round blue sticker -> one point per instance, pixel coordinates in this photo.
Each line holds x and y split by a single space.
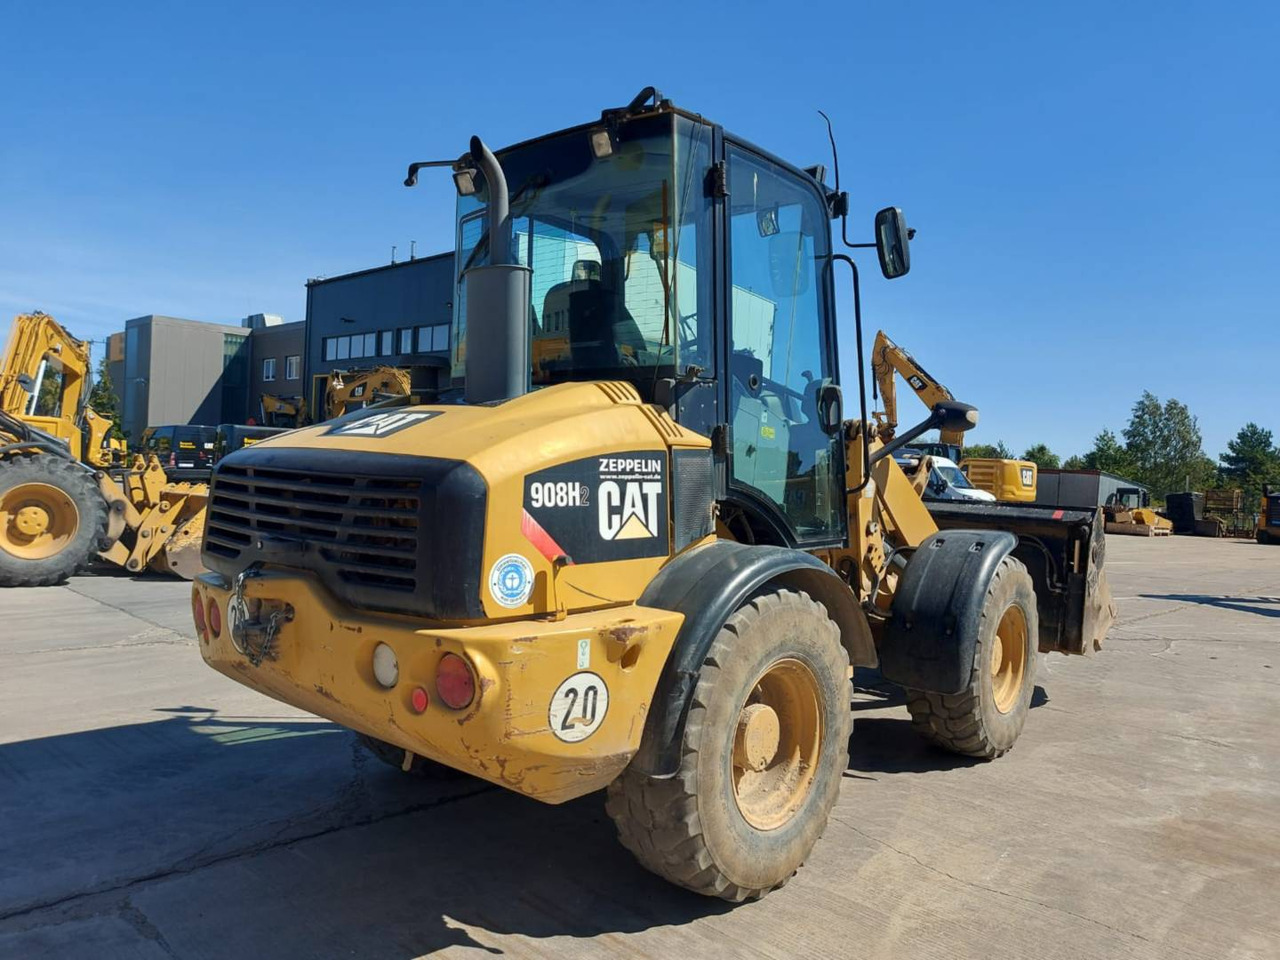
511 580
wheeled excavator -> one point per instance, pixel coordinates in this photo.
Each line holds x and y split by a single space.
649 564
337 393
1007 479
66 493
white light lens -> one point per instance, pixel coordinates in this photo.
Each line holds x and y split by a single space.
385 667
601 145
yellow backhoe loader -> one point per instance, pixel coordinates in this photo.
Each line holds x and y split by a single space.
65 493
1008 480
651 563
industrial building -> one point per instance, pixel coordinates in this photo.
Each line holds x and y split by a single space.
275 351
395 315
175 370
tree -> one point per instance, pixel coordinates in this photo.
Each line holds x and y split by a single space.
985 451
1251 460
1074 462
1163 446
104 401
1042 457
1108 454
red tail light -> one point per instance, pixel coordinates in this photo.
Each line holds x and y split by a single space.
215 618
197 613
455 683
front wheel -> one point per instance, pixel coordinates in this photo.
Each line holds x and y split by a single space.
985 718
52 519
763 749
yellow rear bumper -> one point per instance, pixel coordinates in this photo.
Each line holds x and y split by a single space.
322 661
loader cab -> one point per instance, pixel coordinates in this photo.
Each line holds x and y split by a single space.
669 254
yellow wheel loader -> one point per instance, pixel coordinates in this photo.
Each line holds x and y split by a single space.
65 494
650 562
337 393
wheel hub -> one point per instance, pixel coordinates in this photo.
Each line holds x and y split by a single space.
758 737
777 744
31 521
1009 659
37 520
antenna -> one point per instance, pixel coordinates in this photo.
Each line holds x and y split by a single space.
835 157
393 253
413 247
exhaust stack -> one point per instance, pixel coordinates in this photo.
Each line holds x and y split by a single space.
497 363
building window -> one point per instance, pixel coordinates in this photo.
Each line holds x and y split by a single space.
406 341
292 368
434 338
344 348
331 348
388 343
269 369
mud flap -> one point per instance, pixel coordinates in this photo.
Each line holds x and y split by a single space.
932 631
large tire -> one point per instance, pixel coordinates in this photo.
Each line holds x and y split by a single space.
985 718
696 828
393 756
52 519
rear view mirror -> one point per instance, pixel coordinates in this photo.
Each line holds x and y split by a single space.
788 268
892 239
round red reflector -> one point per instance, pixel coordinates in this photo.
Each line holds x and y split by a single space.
197 612
215 618
418 700
455 682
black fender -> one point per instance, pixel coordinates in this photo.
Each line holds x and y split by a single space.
707 584
929 639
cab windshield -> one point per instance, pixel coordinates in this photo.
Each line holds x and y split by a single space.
611 231
953 476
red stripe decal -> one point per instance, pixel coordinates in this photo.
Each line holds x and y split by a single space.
542 541
1057 514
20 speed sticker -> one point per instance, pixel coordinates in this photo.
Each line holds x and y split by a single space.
578 707
511 580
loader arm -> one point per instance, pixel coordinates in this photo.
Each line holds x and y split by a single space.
887 358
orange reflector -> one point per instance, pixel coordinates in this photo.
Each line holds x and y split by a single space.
197 613
455 683
215 618
418 699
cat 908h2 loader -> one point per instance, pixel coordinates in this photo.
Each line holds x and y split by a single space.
650 562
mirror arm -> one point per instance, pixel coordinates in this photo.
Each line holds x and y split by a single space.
862 377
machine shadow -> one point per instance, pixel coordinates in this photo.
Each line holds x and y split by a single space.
233 814
887 744
1260 606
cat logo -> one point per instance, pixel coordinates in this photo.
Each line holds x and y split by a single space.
1028 476
382 424
629 509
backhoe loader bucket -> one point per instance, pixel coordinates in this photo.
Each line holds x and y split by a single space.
180 553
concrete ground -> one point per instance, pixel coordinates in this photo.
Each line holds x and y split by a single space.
152 808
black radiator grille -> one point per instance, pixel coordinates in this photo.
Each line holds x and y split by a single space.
365 528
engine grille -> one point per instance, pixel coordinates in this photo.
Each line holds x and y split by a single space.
364 528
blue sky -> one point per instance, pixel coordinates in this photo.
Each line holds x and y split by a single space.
1096 185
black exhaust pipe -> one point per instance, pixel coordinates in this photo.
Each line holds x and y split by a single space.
497 315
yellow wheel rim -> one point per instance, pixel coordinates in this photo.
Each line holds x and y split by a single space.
1009 659
37 520
776 744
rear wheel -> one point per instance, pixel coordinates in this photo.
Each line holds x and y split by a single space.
52 517
763 749
985 718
